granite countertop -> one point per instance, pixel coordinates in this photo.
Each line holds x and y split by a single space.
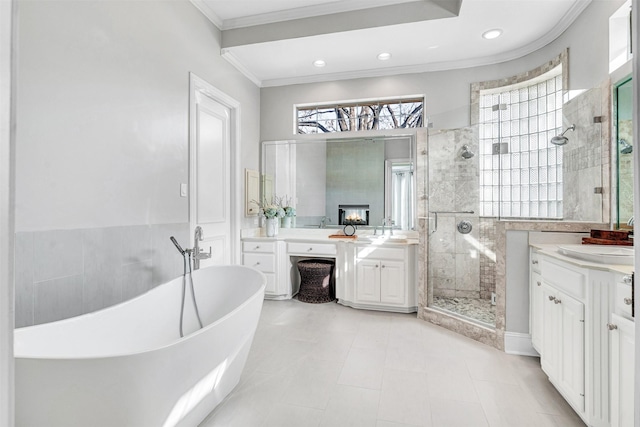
551 250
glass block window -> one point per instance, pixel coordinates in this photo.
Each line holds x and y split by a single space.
520 170
365 115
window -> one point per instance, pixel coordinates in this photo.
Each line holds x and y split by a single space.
366 115
520 170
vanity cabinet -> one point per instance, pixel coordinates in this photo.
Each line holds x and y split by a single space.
384 278
622 334
380 281
622 371
582 327
563 351
536 302
266 257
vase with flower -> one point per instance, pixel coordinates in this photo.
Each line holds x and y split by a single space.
272 212
289 212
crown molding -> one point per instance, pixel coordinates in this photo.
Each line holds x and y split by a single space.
230 57
203 7
571 15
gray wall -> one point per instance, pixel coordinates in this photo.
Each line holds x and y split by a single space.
517 278
448 92
102 146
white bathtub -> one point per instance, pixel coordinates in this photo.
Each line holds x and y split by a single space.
127 365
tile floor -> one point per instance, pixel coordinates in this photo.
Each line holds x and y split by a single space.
333 366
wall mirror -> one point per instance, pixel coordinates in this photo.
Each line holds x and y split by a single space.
623 128
332 181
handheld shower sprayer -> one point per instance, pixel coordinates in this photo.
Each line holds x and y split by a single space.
177 245
186 256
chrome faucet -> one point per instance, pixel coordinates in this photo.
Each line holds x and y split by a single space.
197 251
630 222
388 223
323 221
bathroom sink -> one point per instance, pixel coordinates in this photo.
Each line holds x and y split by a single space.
601 254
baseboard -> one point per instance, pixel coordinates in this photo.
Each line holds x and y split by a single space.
517 343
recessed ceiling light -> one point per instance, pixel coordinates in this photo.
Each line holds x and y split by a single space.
319 63
384 56
492 34
433 47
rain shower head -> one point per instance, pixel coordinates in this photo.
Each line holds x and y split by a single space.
561 139
625 147
466 152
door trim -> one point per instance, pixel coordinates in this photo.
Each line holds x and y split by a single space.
199 85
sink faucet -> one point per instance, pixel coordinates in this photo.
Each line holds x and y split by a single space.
388 223
630 222
323 221
197 251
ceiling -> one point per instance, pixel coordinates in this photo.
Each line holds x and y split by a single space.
275 42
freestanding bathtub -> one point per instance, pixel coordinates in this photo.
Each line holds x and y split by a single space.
127 365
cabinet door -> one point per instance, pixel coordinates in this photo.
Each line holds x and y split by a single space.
368 280
392 282
550 353
536 311
622 371
571 348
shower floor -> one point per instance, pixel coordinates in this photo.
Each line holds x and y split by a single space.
479 310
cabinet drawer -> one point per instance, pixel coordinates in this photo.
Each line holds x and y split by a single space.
312 248
565 279
535 261
623 301
259 247
377 252
263 262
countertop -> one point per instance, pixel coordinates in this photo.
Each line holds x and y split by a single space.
322 236
551 250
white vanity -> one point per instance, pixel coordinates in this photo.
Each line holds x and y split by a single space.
581 324
371 272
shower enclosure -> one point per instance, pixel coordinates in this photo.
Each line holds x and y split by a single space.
505 169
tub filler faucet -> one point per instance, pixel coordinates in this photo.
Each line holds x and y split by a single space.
197 251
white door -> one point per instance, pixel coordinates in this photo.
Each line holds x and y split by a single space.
210 176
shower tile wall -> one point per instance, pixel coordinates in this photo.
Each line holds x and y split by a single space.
65 273
488 237
586 157
454 258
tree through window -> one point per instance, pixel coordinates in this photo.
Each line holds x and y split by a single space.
367 115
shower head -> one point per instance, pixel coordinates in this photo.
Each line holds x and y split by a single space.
466 152
625 147
561 139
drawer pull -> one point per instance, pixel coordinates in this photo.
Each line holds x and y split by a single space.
539 284
256 248
552 298
611 326
627 280
535 261
382 265
257 264
557 301
309 250
628 301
